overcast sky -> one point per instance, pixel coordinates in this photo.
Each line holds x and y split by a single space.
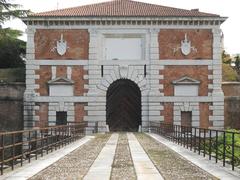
226 8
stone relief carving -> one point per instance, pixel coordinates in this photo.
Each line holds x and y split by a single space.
185 47
123 71
61 46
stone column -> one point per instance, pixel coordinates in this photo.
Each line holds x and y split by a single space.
218 96
96 108
154 78
29 94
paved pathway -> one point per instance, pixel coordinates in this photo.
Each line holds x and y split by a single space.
29 170
96 160
211 167
103 164
143 165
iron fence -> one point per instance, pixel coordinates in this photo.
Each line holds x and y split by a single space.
18 147
220 145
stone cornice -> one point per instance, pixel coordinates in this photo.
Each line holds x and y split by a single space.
71 21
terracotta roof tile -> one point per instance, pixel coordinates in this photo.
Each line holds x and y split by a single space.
118 8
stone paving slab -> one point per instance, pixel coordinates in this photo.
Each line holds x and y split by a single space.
30 169
102 166
144 167
209 166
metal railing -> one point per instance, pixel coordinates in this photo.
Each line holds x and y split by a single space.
222 145
18 147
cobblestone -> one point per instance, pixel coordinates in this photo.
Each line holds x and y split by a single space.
170 164
123 166
76 164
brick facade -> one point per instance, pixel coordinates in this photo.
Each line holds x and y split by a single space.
205 112
167 113
86 73
45 75
77 76
79 112
172 73
45 43
201 39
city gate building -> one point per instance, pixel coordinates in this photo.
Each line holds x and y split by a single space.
124 64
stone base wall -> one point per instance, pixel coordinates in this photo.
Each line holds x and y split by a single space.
11 106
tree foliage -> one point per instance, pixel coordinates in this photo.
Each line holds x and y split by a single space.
237 63
226 58
12 50
229 72
9 10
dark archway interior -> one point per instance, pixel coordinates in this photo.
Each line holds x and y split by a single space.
123 106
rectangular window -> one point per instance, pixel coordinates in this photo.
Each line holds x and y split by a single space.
186 90
61 90
61 118
123 48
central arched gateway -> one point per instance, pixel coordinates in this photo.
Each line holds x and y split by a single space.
123 106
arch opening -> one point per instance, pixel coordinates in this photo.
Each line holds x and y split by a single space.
123 106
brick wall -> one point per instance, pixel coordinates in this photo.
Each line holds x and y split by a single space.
172 73
61 71
46 41
79 111
77 76
167 113
231 88
42 113
45 74
11 106
201 39
204 115
232 112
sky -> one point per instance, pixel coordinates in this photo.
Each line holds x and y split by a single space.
225 8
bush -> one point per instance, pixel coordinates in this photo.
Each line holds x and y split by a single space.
229 74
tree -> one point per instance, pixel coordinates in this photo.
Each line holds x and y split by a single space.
226 58
9 10
12 50
237 63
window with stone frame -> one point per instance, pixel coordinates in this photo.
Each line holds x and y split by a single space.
123 47
61 86
186 86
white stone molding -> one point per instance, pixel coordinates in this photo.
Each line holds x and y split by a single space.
152 68
69 72
30 49
186 107
54 71
217 62
126 21
54 107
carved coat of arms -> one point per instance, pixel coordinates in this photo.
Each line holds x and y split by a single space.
185 47
61 46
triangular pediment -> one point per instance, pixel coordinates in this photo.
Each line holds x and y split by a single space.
61 81
186 80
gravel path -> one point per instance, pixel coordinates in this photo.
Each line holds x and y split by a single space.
170 164
122 167
76 164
